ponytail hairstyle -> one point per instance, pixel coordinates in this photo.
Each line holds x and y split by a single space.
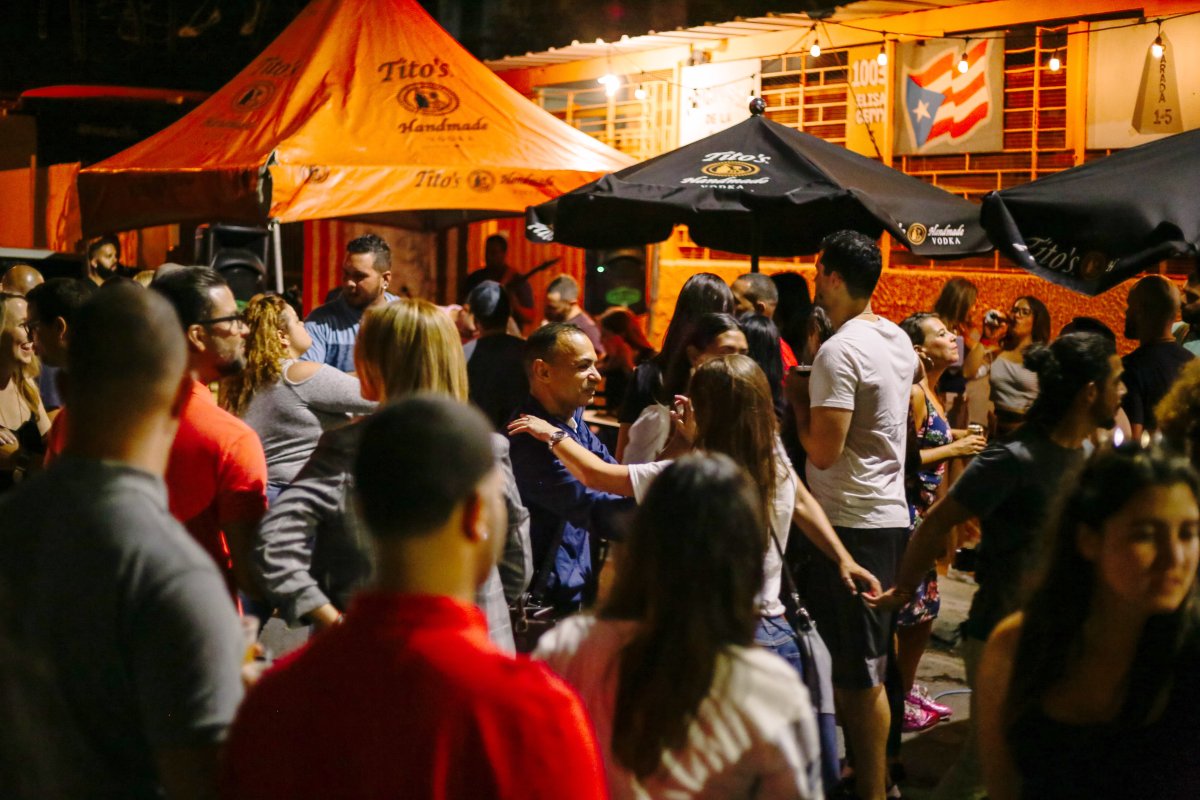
1064 368
694 569
1061 601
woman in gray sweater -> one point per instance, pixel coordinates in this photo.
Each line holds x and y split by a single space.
289 403
312 551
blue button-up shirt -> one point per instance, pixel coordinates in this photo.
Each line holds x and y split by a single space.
557 501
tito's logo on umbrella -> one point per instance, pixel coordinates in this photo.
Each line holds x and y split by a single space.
731 169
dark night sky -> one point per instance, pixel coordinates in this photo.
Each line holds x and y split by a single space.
114 46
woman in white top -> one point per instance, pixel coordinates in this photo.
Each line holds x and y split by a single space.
289 403
683 706
733 415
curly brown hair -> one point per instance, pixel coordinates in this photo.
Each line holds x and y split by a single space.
266 317
1178 413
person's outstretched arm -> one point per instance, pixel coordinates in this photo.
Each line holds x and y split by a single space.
588 468
811 519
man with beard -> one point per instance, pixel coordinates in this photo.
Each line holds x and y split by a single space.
1009 487
104 260
366 273
217 474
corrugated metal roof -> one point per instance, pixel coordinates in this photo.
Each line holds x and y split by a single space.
742 26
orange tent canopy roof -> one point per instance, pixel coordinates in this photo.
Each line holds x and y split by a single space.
360 107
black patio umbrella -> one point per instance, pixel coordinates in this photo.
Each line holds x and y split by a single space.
1090 227
760 188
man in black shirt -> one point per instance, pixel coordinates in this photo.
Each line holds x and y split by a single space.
495 268
1009 487
1150 370
495 371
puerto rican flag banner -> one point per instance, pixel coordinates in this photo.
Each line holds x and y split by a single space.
944 110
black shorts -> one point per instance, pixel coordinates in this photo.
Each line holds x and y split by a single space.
858 637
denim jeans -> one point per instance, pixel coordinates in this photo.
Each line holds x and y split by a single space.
776 634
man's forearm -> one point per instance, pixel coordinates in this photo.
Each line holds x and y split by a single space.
929 542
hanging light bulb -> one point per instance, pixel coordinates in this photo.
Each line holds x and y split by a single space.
1156 49
639 93
881 59
815 50
607 80
963 64
1055 62
610 89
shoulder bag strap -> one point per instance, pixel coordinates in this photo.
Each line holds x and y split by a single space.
802 621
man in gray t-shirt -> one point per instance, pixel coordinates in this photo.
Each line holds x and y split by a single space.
127 614
851 418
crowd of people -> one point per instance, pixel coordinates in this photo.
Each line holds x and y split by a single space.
499 605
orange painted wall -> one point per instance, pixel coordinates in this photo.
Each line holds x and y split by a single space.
903 291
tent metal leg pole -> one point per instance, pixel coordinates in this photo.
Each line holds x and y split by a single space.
755 245
277 255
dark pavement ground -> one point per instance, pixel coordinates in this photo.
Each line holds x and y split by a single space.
926 755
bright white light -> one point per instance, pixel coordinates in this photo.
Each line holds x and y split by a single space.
1156 49
963 66
881 59
1055 64
639 93
610 89
607 80
815 50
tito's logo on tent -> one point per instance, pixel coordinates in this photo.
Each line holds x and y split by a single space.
944 105
428 98
731 169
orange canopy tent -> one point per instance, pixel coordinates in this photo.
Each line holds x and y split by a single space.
359 109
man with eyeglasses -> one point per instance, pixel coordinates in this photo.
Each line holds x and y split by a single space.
217 475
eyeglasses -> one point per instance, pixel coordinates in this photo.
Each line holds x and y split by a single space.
1022 311
235 319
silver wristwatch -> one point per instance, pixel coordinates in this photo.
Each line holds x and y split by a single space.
555 438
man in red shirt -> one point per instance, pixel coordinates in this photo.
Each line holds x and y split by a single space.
217 475
408 698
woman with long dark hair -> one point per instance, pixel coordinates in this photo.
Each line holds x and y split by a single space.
683 705
1015 386
709 336
762 341
1094 689
729 411
703 293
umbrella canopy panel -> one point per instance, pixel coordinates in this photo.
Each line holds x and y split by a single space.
359 107
759 187
1093 226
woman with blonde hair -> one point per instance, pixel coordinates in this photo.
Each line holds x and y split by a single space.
312 553
23 419
289 403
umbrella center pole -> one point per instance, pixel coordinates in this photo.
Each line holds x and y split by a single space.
755 245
